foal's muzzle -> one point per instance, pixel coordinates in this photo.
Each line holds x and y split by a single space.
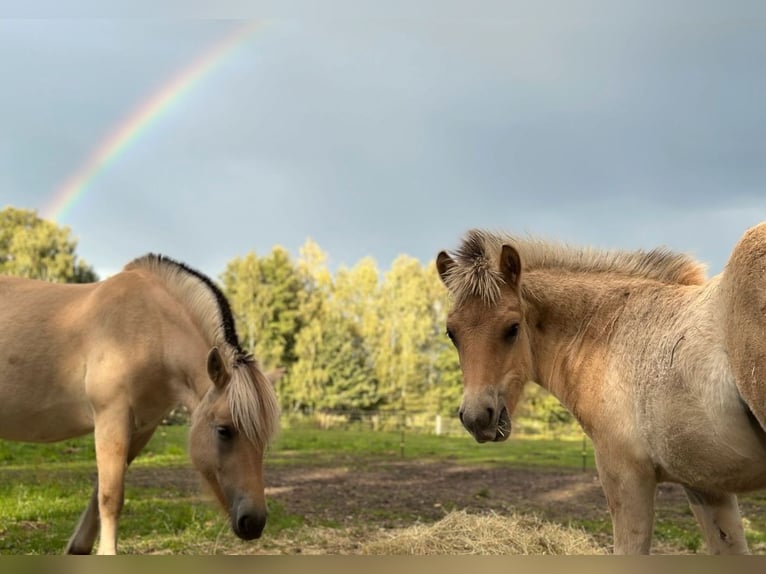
486 424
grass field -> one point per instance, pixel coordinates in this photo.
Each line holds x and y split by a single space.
43 488
331 444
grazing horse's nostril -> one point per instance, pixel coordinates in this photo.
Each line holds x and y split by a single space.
490 414
460 414
250 526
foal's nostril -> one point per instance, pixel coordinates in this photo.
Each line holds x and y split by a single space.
460 414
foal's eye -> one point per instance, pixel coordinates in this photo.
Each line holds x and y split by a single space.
511 333
224 432
451 336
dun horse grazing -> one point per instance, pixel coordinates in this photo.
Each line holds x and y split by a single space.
664 370
114 357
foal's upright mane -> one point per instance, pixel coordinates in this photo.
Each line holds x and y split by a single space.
254 406
476 270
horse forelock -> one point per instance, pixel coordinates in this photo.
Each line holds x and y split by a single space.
253 402
475 272
476 268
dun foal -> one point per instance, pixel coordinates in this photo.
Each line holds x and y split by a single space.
664 370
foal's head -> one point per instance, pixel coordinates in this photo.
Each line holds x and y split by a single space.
487 327
230 430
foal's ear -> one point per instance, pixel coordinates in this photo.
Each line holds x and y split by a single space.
216 368
443 264
510 266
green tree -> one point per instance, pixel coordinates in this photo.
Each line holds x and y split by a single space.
333 370
241 284
447 387
300 389
265 296
39 249
283 290
352 324
444 384
356 294
405 329
349 383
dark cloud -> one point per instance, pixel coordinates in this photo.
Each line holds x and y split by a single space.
387 136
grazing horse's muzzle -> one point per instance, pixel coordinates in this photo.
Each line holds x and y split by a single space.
247 523
485 422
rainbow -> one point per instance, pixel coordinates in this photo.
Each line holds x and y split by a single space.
141 120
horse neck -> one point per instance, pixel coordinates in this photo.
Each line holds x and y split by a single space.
197 383
571 318
193 325
190 352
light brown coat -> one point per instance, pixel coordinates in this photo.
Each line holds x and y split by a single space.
664 369
114 358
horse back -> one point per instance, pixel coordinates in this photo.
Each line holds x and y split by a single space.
743 286
66 348
41 369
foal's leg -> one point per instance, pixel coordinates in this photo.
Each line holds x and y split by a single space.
87 528
630 489
720 521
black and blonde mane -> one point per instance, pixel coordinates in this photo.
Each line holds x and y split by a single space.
158 261
252 400
476 270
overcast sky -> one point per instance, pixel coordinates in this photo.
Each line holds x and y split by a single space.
387 136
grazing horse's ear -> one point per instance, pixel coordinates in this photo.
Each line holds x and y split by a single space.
443 264
510 266
275 375
216 368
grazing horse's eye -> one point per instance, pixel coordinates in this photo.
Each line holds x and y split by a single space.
511 333
224 432
451 336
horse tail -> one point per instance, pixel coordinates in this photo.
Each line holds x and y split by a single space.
743 285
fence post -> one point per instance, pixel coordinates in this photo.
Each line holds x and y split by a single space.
438 425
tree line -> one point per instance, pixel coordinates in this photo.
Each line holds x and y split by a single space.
39 249
356 340
359 339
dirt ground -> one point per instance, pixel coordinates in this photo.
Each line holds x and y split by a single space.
388 495
346 505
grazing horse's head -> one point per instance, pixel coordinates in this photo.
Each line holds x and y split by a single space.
486 325
230 430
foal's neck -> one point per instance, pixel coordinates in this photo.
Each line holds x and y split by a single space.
571 317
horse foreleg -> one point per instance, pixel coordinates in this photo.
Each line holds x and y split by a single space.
721 523
630 491
112 438
87 528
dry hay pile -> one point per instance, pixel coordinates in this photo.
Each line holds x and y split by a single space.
463 533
